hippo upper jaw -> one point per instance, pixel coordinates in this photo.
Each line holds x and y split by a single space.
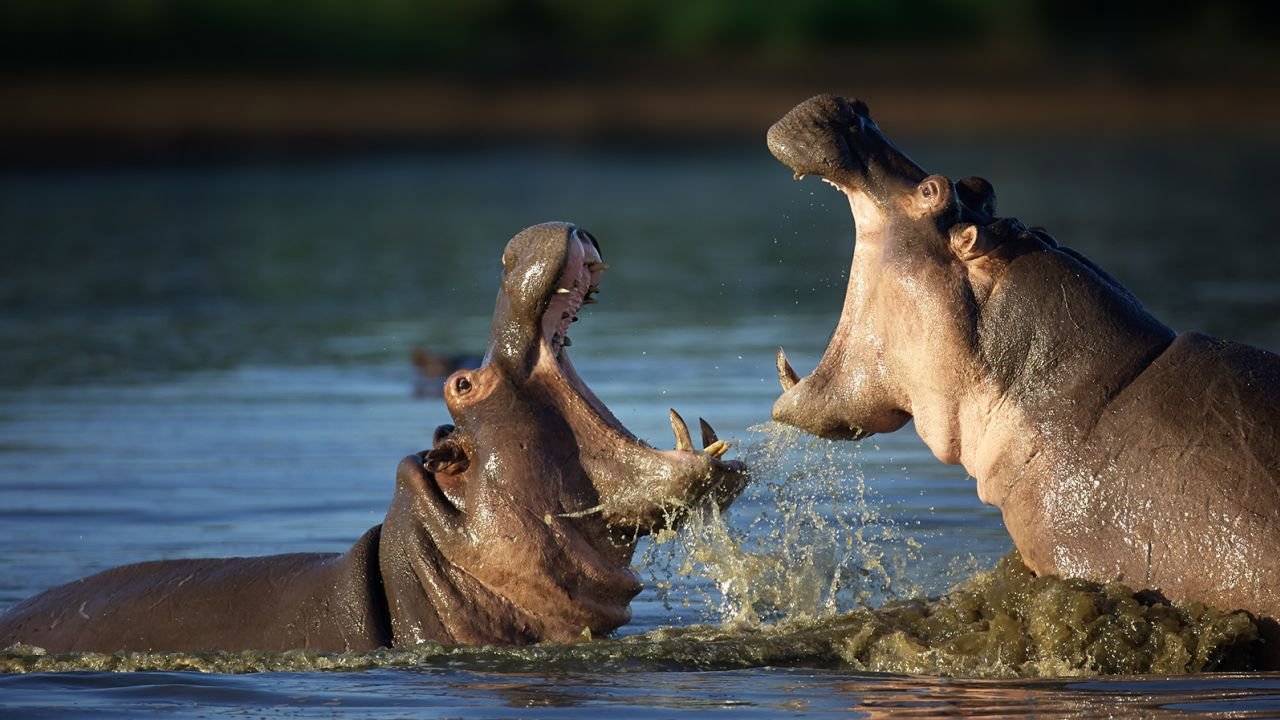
837 140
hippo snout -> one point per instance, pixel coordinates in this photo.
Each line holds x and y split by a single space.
811 138
836 402
799 408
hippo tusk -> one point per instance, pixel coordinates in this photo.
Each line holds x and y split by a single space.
683 441
786 375
711 444
597 266
708 433
717 448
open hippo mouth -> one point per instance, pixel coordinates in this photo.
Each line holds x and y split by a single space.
925 254
537 354
577 286
534 499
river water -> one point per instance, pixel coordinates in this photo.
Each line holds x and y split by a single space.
214 361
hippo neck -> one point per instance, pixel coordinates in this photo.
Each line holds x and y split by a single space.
1058 343
431 599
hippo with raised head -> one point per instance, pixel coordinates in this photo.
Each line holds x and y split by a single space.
1115 448
517 526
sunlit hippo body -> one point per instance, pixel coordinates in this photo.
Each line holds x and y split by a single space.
1115 448
517 526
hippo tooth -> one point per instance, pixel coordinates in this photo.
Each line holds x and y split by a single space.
716 449
597 266
683 441
588 300
563 291
709 436
786 375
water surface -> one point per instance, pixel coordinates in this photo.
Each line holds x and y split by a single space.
214 361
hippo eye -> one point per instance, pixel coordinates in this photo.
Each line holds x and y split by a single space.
462 386
927 190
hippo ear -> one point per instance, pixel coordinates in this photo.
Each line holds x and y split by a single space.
1044 236
978 195
934 194
447 458
969 242
442 432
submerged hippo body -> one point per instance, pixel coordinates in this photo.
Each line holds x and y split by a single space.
1115 448
517 526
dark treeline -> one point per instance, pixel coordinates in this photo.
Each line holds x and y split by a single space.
559 38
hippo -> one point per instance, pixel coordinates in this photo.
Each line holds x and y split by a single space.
517 526
1115 448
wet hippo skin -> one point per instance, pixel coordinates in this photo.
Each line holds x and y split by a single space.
1115 448
517 526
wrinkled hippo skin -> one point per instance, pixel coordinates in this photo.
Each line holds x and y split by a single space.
1115 448
517 526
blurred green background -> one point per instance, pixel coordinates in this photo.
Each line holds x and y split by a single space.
119 80
540 39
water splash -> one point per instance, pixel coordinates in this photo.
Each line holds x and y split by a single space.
808 539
